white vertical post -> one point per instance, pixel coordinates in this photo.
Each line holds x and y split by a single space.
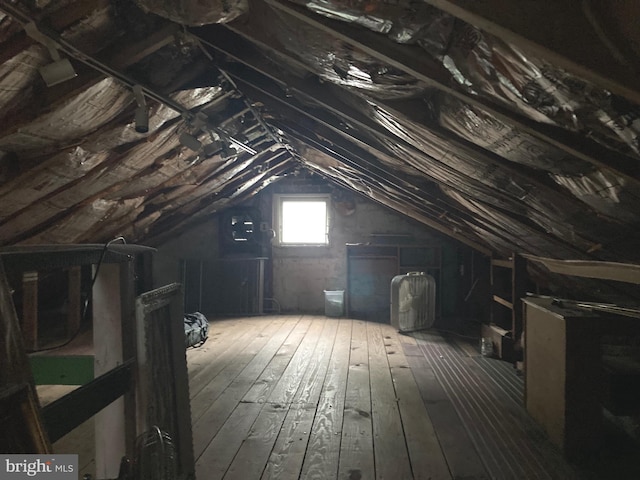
107 341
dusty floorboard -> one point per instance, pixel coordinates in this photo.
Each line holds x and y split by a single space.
310 397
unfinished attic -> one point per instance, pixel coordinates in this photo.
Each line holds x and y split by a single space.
275 239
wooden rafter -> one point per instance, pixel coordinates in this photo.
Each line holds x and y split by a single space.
568 34
120 56
235 46
412 60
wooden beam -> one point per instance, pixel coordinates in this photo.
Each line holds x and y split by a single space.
195 212
503 302
58 21
412 60
69 411
119 56
130 53
14 46
621 272
71 13
129 345
416 113
107 341
567 34
519 290
325 97
269 78
380 183
496 262
268 95
260 72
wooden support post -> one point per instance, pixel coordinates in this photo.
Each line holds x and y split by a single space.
30 309
128 309
107 340
519 288
492 307
74 315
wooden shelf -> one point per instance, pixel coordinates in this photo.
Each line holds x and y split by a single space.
511 296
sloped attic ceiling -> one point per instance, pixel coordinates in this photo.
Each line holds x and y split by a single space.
509 127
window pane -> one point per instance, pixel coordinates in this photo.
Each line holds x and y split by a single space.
304 222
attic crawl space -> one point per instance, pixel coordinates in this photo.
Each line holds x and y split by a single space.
500 130
507 129
467 139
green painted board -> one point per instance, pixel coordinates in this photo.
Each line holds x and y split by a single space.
62 370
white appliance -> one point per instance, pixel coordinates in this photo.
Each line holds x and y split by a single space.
413 301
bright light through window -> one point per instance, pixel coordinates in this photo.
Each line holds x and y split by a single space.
303 221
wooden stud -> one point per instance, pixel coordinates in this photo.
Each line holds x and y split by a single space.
519 287
129 345
74 315
503 302
30 309
107 341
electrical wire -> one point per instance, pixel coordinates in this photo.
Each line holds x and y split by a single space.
85 308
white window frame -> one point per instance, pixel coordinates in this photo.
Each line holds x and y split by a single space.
311 197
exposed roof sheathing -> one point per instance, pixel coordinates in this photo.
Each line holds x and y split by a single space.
507 135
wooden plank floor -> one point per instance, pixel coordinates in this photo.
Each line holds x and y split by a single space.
310 397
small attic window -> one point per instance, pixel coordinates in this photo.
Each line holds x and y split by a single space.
302 219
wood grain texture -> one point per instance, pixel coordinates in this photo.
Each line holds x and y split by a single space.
323 451
288 384
324 398
224 338
391 456
462 458
451 415
215 416
356 458
313 380
272 373
252 456
427 459
216 459
290 448
229 365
